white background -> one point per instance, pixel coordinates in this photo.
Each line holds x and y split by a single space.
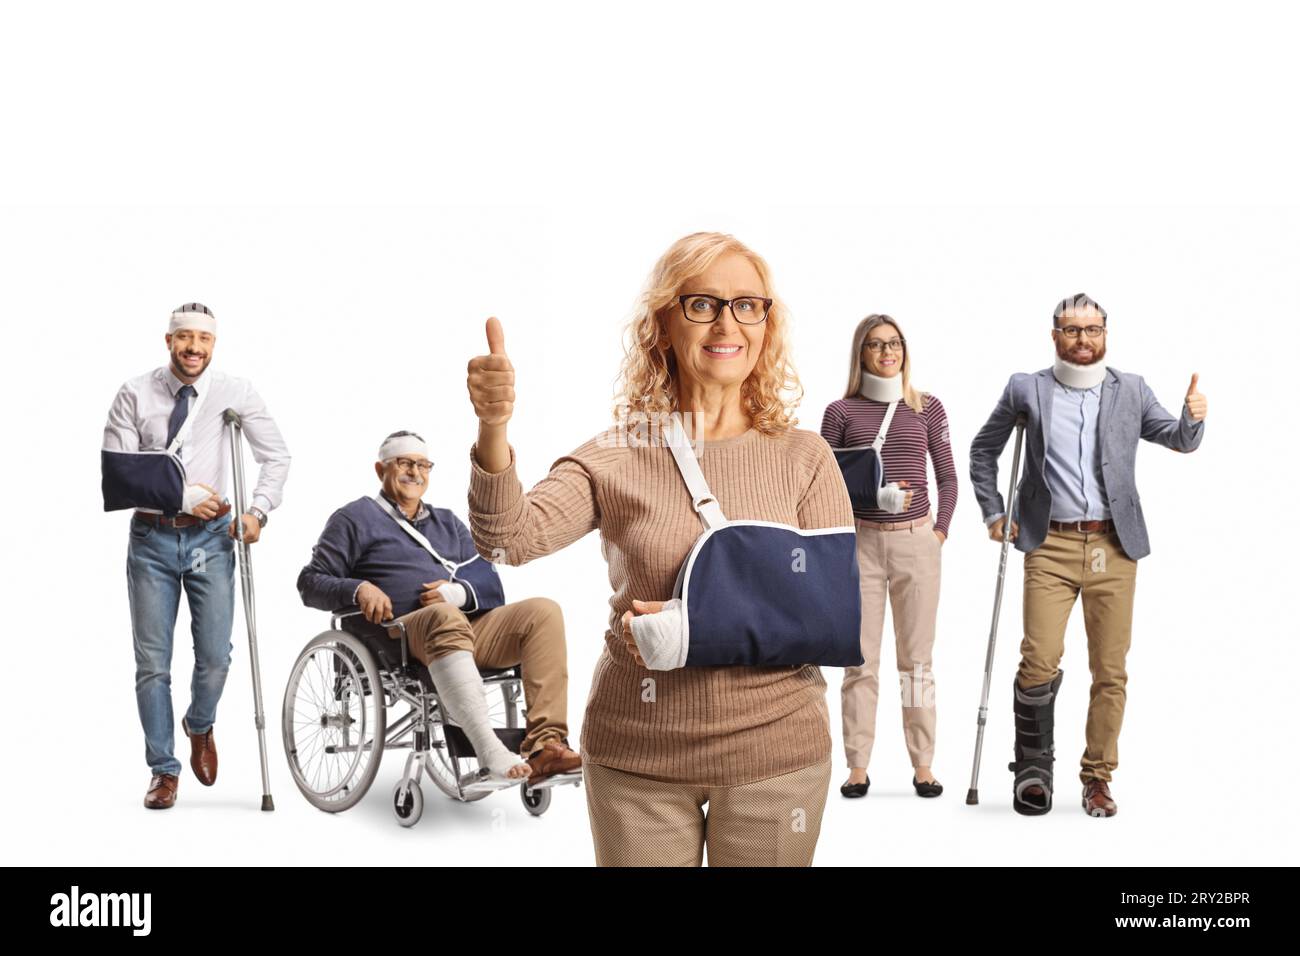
352 194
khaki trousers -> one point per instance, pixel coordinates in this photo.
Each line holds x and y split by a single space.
1066 564
528 632
638 821
903 564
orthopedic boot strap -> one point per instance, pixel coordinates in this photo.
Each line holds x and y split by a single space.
1034 710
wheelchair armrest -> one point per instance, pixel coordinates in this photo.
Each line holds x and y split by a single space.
339 615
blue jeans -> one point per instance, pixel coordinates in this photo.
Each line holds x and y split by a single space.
160 562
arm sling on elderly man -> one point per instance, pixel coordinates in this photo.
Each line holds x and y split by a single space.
477 576
754 593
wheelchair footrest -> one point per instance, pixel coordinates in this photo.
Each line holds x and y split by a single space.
482 781
558 780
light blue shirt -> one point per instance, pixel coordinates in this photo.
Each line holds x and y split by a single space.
1073 466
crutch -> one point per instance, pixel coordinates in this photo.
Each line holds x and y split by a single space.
232 419
973 794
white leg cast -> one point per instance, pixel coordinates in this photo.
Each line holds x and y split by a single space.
460 689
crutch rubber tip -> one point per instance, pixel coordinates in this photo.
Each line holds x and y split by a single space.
267 803
972 797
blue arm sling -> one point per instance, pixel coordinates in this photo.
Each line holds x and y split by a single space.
864 469
762 593
148 479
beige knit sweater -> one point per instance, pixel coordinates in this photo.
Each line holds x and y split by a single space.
714 726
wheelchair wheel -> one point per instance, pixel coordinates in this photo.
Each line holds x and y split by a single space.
446 771
537 802
333 721
408 807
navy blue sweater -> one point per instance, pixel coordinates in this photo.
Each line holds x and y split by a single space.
362 542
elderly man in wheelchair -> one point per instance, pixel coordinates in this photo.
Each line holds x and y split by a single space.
406 585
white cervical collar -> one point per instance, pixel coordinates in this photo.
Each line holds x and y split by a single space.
1078 376
881 389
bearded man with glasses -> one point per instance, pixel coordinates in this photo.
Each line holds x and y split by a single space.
1079 522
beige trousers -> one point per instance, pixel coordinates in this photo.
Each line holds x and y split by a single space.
904 564
1065 565
639 821
529 633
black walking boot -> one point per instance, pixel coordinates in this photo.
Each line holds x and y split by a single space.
1034 707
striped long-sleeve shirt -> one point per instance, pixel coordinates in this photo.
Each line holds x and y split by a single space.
848 422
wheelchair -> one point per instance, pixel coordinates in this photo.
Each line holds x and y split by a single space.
337 724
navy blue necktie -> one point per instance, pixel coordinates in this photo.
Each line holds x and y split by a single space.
179 412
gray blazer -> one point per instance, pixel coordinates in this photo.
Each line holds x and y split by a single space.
1129 411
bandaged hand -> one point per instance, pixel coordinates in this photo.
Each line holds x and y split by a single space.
451 592
892 498
201 501
656 633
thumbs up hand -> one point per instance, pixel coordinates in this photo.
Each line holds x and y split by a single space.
1195 401
491 379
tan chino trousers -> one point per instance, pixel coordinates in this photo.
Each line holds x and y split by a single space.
529 633
1067 564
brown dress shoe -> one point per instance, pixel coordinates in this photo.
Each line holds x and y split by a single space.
162 791
1096 799
203 755
554 757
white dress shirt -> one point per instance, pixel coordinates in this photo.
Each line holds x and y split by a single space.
142 410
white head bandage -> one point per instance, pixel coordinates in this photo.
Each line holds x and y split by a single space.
402 445
198 319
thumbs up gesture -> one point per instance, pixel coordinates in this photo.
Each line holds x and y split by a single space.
1195 401
491 379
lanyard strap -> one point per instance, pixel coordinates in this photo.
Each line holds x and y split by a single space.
190 419
420 539
879 443
702 500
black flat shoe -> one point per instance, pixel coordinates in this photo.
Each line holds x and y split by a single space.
927 789
855 789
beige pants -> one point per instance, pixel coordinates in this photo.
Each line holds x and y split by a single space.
529 633
1066 564
904 563
638 821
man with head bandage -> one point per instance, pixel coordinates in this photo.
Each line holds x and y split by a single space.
166 455
394 556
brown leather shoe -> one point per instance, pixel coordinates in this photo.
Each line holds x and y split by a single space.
203 755
1096 799
554 757
162 791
